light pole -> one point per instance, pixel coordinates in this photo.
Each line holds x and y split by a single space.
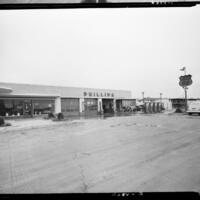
143 96
160 97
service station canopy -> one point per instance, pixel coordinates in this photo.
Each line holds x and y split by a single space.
38 4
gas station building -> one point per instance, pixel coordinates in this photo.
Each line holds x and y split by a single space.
35 100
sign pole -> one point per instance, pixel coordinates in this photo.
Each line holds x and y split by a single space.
185 92
185 98
185 88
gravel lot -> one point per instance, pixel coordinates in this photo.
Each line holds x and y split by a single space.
158 152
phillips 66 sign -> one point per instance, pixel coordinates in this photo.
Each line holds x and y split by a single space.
185 80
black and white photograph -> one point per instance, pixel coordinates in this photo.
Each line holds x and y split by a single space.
99 99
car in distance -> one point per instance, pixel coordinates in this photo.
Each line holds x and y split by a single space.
194 108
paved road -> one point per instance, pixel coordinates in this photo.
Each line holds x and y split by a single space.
118 154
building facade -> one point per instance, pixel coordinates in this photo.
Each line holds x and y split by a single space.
33 100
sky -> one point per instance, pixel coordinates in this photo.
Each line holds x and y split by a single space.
136 49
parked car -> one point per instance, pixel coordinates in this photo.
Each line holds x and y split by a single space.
140 108
194 108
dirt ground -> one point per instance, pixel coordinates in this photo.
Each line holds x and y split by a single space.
158 152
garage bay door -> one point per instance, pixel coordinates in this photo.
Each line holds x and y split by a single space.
91 106
70 106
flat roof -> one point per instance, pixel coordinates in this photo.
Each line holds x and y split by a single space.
62 91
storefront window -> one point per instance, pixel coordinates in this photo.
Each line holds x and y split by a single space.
18 107
11 107
42 106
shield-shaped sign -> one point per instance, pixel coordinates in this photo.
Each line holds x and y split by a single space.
185 80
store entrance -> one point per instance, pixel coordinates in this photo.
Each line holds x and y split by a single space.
119 105
27 111
90 106
108 105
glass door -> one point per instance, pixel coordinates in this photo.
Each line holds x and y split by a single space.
27 108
